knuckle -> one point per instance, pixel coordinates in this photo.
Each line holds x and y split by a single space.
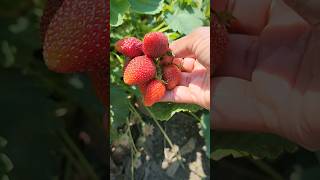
200 31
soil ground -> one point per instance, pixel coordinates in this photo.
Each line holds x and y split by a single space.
183 131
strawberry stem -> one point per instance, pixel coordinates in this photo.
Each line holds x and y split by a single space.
163 29
165 135
130 136
225 18
158 27
169 53
73 149
159 70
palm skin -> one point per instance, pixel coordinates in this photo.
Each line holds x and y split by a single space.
194 87
270 80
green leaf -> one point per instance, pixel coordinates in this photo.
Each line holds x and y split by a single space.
146 6
184 21
222 153
119 107
17 46
257 145
205 126
3 142
117 10
164 111
4 177
5 163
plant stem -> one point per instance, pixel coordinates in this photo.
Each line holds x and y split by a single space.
135 111
158 27
132 166
267 169
68 167
84 162
72 159
195 116
164 134
161 129
166 137
164 29
130 136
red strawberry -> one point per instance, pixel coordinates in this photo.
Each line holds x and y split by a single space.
185 65
166 60
139 70
178 62
99 80
49 11
76 38
219 43
155 44
172 75
130 47
154 92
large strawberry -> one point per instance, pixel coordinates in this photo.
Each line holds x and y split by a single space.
130 47
154 92
139 70
172 76
76 38
48 13
219 41
155 44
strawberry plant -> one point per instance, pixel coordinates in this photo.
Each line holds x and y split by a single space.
143 69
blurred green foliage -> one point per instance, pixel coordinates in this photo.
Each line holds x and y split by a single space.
36 105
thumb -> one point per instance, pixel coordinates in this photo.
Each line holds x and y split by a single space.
195 45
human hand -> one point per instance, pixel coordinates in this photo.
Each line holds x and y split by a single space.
194 87
270 81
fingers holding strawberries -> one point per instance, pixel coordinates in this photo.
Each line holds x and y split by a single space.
177 74
150 65
192 57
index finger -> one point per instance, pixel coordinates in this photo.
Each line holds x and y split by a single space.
195 45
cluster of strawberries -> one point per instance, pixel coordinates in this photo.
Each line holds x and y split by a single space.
150 65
